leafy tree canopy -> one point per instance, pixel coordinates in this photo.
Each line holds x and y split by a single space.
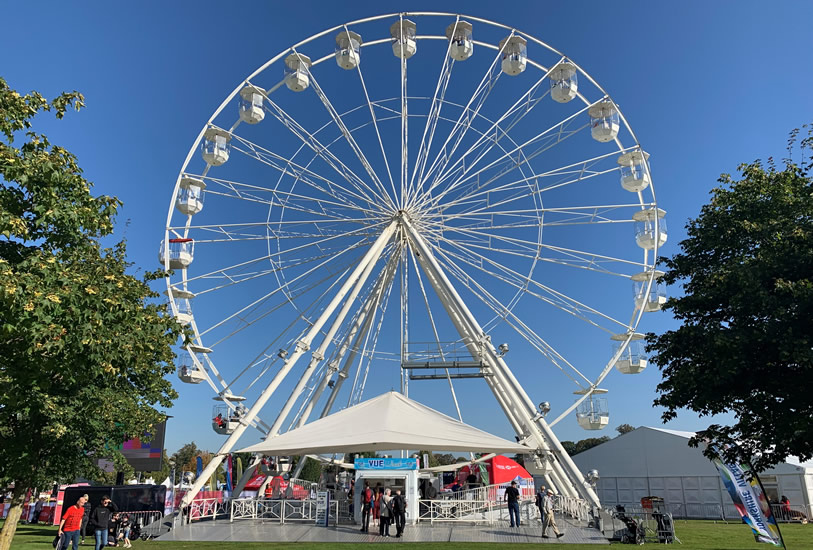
185 458
83 347
584 444
745 345
624 429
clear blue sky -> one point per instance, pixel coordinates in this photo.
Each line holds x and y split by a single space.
704 85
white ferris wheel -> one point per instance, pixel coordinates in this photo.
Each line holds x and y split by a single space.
384 199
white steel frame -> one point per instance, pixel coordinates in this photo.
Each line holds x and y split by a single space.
400 222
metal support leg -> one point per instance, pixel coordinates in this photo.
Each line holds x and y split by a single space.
302 346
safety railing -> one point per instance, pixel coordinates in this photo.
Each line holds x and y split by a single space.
493 493
286 511
144 525
639 525
575 508
206 508
790 513
719 512
472 511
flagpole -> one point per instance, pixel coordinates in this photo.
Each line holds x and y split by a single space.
767 498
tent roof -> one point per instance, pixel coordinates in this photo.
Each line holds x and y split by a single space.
387 422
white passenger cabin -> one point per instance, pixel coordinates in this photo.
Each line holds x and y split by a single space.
514 55
225 420
633 359
564 82
348 49
189 373
404 44
461 45
251 104
592 413
655 298
297 72
650 228
604 122
190 196
215 146
184 313
634 170
180 253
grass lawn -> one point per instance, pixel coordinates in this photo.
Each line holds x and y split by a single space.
701 535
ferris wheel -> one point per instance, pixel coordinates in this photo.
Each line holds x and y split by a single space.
386 197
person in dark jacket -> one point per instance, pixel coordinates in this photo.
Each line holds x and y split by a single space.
100 520
399 511
86 516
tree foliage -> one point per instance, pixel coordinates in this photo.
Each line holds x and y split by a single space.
584 444
184 458
745 344
83 348
624 429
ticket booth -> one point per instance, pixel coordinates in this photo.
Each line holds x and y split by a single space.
388 473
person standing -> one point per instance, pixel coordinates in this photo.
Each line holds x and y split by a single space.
376 508
386 514
366 505
85 516
540 502
512 496
124 532
70 524
549 519
100 520
399 512
37 510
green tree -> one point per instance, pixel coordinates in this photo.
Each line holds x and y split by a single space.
83 346
584 444
745 344
590 442
445 459
433 461
624 429
311 471
570 447
184 458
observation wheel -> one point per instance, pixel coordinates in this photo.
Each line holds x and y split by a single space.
387 202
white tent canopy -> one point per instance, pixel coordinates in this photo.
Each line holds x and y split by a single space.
387 422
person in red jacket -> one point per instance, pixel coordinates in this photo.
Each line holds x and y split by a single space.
71 524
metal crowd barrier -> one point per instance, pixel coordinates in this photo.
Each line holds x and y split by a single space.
286 511
719 512
792 513
146 525
657 526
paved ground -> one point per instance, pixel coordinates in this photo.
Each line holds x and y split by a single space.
256 531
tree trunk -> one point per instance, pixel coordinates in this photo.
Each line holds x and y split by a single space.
14 512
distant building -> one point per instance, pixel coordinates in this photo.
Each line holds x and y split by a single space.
659 462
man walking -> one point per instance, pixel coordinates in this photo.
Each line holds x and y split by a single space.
549 520
366 505
512 496
100 520
399 511
70 524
